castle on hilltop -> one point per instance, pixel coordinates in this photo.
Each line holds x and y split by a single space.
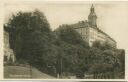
90 32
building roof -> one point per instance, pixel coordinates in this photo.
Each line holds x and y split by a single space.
85 24
99 30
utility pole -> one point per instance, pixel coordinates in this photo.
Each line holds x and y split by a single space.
30 70
61 66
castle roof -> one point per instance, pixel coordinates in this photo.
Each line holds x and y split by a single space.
85 24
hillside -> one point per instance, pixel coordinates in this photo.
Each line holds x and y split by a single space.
19 72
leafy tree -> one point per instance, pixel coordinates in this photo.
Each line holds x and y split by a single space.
69 35
103 46
75 49
31 37
120 54
103 62
97 44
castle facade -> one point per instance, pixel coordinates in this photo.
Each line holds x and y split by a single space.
90 32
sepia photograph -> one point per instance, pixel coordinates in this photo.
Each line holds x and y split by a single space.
65 40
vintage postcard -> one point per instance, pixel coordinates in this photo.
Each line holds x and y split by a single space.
65 40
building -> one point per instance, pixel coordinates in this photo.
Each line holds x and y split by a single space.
8 52
90 31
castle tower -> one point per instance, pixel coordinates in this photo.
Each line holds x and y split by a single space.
92 17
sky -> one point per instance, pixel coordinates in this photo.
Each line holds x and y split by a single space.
112 17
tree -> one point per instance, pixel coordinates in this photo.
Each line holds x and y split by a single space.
97 44
120 54
31 37
75 49
103 63
102 46
69 35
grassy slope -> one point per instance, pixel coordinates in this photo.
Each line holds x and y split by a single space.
24 72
